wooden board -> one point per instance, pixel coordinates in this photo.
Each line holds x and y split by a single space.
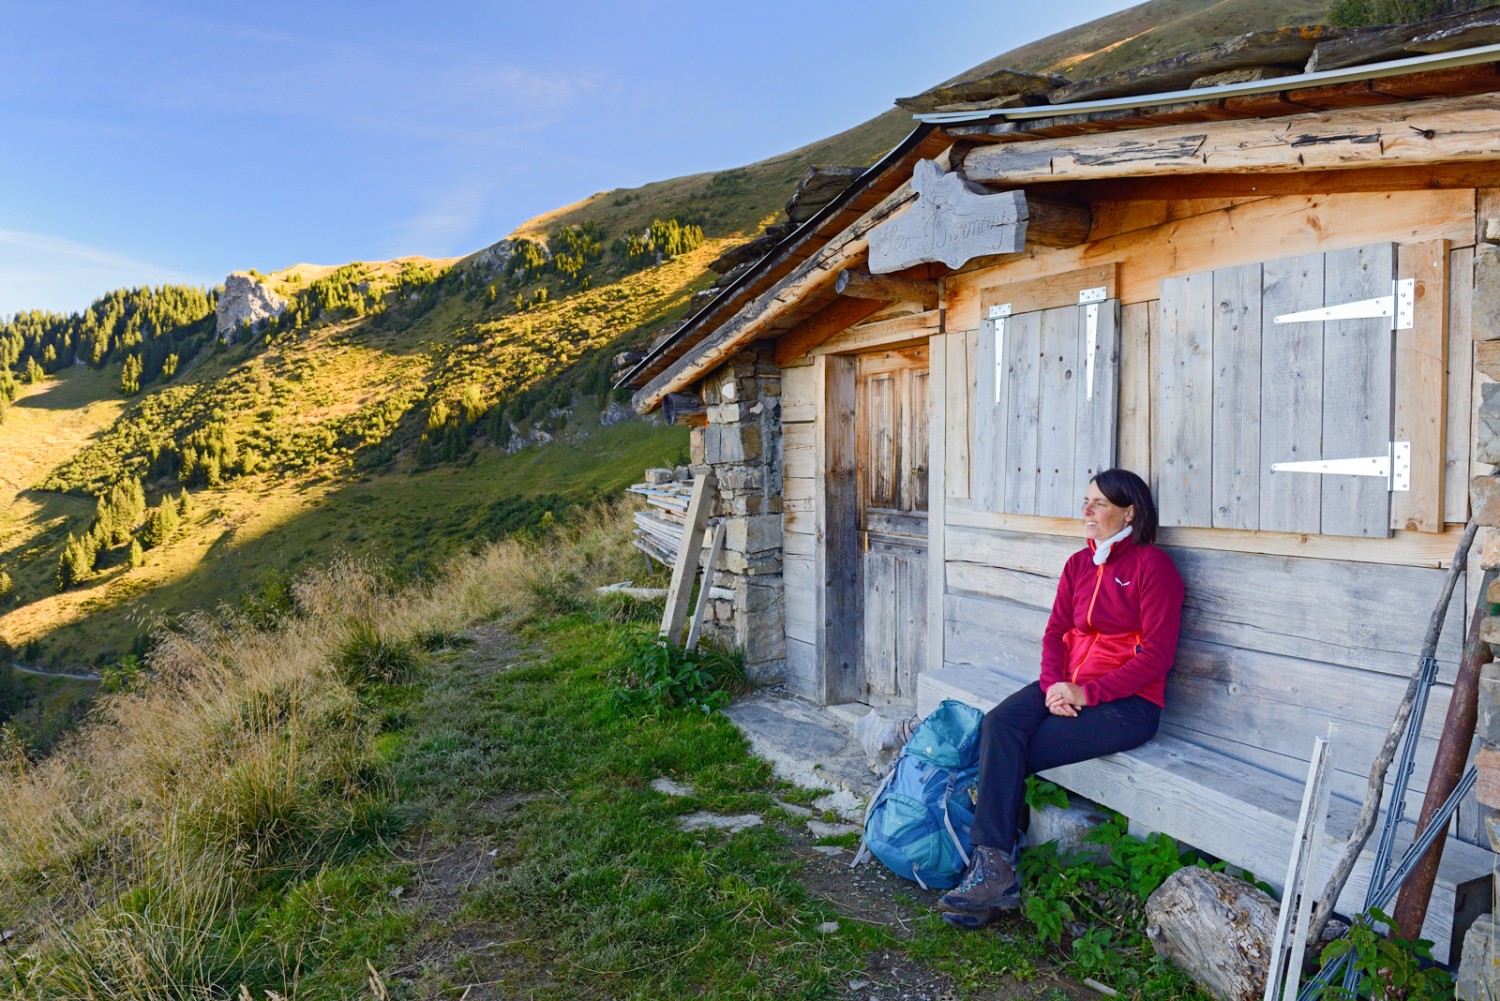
1358 383
798 394
912 328
803 671
685 571
956 400
1097 413
1452 130
1020 403
894 581
1257 231
1048 290
1207 796
1417 549
1182 407
1339 612
835 507
1135 387
1460 376
799 452
989 461
945 375
1421 401
1236 393
1291 394
1059 392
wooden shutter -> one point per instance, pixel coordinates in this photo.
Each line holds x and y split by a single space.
1042 430
1239 391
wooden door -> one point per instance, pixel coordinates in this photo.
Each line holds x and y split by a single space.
891 412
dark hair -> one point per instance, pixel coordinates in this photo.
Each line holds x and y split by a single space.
1124 488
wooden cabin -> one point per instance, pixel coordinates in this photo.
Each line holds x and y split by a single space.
909 394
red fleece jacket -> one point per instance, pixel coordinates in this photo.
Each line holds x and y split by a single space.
1114 627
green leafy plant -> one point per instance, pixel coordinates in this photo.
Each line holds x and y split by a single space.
1392 969
659 675
1094 902
1040 793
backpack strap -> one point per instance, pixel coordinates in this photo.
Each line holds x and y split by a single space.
864 854
948 821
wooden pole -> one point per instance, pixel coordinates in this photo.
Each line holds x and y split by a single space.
705 592
1375 788
685 571
684 408
860 284
1447 767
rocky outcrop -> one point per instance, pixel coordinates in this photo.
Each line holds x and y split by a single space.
245 299
492 259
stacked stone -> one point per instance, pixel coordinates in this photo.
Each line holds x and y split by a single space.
1479 974
741 444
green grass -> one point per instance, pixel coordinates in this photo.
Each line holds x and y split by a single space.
413 521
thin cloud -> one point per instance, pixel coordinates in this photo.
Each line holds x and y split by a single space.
40 271
443 223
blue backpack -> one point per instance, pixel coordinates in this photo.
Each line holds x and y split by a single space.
918 820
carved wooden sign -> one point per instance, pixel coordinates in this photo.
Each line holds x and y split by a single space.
953 221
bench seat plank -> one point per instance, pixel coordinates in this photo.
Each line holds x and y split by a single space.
1229 809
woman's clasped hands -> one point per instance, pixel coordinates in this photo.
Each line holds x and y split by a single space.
1065 699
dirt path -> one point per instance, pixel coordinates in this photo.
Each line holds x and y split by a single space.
484 959
54 674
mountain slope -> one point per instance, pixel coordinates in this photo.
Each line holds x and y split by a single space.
406 409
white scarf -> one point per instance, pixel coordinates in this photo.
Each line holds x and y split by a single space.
1101 549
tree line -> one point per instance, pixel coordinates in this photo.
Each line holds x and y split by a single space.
151 331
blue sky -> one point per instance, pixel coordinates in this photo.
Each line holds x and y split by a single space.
149 142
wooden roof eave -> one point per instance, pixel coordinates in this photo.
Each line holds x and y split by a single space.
833 218
781 304
813 277
1413 133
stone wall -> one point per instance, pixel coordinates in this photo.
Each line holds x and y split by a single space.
741 443
1479 976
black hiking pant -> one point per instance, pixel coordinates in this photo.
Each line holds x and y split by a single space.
1019 737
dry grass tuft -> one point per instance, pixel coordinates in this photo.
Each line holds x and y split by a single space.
125 855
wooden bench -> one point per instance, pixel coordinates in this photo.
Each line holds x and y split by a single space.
1225 807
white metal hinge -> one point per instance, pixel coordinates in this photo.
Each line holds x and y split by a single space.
1400 305
1394 466
997 316
1089 299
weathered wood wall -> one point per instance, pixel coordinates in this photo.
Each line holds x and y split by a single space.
1283 631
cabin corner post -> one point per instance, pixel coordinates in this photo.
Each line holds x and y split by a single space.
741 444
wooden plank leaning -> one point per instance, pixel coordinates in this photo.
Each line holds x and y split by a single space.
685 572
695 629
1286 959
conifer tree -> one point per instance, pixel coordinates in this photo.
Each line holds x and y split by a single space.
130 375
137 554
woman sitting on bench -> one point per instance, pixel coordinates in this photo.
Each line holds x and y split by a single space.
1108 646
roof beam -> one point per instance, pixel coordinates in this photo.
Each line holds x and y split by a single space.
825 324
857 283
1448 130
816 272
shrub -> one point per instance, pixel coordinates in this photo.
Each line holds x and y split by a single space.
659 675
369 656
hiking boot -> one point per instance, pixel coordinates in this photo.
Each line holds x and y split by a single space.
990 885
